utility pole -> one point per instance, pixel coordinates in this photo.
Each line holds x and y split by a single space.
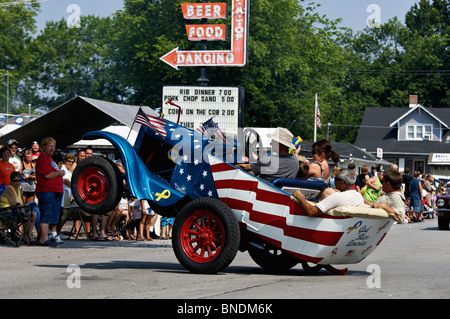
7 96
315 120
203 80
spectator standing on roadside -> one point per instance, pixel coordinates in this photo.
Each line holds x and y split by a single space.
49 191
416 196
28 186
406 179
35 150
89 151
81 155
6 168
14 159
361 177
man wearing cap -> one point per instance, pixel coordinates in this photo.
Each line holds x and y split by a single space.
14 159
280 164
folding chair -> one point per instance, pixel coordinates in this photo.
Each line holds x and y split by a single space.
12 219
72 212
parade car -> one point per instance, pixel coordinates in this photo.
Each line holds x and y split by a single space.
443 211
221 209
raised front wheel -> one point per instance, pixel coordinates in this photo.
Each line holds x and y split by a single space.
206 236
97 185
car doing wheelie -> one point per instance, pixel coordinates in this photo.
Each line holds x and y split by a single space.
220 208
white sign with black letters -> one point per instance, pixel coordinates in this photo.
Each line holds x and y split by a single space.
200 103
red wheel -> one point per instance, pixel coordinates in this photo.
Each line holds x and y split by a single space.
97 185
205 236
202 236
92 185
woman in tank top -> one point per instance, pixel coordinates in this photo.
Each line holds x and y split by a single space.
29 174
12 196
321 152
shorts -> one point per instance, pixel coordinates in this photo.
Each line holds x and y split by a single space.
416 204
50 207
165 221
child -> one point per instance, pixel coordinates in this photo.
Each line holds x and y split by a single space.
303 169
135 214
166 226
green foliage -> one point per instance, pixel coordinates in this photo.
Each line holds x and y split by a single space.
293 53
17 24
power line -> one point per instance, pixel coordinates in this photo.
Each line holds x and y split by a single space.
13 3
402 72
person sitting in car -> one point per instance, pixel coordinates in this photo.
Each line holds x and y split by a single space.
345 195
280 164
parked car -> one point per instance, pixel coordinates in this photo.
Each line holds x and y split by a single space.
220 208
443 211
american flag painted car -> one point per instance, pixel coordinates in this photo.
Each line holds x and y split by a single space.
219 208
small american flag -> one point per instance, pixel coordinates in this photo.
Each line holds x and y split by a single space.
155 123
210 128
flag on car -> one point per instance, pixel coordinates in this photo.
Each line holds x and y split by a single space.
155 123
210 128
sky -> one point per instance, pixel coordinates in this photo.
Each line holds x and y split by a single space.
354 13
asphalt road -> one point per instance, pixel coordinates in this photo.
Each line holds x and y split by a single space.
413 261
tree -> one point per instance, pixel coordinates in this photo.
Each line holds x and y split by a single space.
73 61
17 24
391 62
292 54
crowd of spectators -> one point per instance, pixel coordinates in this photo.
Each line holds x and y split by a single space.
40 176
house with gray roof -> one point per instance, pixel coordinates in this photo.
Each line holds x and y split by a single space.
417 137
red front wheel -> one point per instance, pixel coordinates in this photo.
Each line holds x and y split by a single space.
206 236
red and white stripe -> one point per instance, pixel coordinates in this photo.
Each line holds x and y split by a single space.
272 215
158 125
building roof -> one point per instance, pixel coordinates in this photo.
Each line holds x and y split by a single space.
376 132
347 151
413 109
68 122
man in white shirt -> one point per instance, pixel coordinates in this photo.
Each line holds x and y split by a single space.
346 196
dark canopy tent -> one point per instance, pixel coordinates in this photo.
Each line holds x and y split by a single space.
68 122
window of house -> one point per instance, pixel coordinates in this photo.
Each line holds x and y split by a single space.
419 132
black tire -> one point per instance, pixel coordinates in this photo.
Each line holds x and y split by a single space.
97 185
206 236
271 258
311 270
443 223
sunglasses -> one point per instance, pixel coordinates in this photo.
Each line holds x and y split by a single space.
70 161
17 180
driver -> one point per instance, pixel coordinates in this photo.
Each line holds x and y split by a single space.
280 164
